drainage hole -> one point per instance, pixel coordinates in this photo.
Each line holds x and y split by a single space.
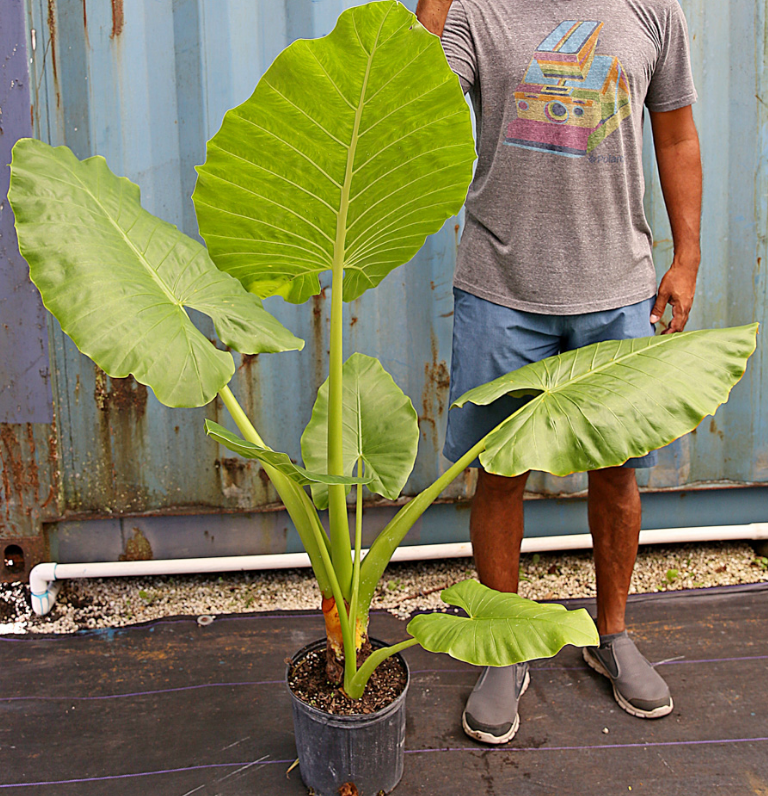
13 559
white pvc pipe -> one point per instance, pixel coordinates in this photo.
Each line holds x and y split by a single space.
45 579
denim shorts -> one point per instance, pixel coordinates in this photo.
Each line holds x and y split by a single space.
490 340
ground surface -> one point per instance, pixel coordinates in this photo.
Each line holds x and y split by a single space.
173 708
89 604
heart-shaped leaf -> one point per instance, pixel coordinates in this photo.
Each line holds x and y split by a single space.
501 629
603 404
118 278
351 151
280 461
380 426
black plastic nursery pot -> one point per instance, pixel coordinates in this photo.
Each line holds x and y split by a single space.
366 750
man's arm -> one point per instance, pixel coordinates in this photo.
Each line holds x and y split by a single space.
432 14
677 153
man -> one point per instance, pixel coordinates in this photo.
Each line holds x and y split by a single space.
556 254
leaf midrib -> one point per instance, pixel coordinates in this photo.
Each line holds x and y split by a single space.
152 273
559 387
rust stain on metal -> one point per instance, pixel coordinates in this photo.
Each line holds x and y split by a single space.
6 493
118 18
13 463
264 477
713 429
52 34
246 360
20 473
122 405
233 470
137 548
31 551
121 394
34 476
53 465
436 381
434 393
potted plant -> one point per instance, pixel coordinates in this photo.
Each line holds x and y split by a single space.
351 151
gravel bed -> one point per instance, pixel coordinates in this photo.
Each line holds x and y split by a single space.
405 588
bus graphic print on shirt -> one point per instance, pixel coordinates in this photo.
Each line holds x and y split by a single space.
571 99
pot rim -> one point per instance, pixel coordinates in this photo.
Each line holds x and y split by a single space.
356 718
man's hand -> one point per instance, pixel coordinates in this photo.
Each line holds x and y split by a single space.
677 153
677 288
432 14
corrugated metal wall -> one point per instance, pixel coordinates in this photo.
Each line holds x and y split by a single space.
146 82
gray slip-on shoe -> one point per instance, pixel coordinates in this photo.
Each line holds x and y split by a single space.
637 686
491 713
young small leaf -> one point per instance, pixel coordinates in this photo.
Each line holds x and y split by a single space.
501 629
380 426
280 461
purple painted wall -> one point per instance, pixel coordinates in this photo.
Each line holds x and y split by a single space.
25 391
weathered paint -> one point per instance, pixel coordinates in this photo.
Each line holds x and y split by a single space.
146 83
28 489
25 392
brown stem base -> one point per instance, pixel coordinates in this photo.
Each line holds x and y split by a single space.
334 651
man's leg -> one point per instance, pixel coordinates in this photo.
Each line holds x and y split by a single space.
496 529
614 512
490 340
614 520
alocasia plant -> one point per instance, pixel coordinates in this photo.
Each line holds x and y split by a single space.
351 151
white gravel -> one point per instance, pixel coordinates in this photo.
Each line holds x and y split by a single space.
115 602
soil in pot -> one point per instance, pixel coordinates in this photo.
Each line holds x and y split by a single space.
358 745
308 681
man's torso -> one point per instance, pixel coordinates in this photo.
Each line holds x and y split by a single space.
555 221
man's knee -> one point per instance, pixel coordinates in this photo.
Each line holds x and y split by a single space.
501 484
613 478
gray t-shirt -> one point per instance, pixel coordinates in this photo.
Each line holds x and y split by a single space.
554 215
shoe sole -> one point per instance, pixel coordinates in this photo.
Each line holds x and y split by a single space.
656 713
486 737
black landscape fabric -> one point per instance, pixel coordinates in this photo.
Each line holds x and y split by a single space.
175 708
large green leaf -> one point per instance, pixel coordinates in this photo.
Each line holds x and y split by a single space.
501 629
117 278
380 426
353 148
280 461
603 404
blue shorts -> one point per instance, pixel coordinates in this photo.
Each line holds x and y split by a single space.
490 340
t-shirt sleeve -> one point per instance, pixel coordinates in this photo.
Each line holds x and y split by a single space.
458 45
671 85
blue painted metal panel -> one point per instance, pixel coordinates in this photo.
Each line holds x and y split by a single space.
146 82
25 391
28 489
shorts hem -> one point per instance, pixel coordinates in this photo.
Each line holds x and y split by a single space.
549 309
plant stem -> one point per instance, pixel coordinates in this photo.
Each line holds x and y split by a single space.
387 541
337 501
351 668
240 418
359 681
295 499
341 550
377 558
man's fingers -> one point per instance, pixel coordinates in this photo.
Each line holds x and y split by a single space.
661 304
679 317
